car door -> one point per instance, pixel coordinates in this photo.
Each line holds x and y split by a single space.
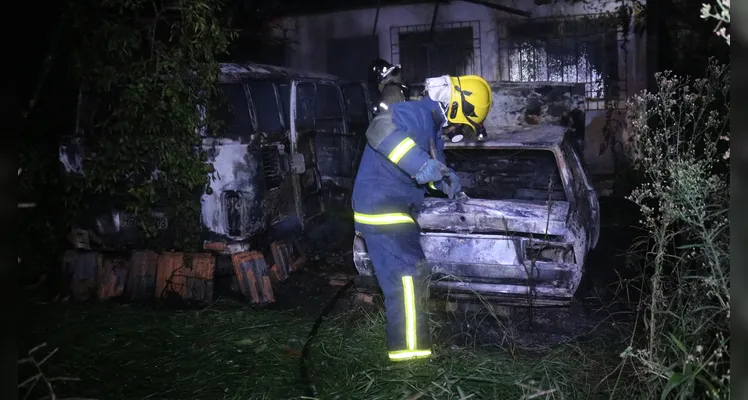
270 100
231 204
307 184
584 188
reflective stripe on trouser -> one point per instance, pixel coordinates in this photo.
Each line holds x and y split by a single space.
400 266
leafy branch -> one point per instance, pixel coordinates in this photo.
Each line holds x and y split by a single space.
144 68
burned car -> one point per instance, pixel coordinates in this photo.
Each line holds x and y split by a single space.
522 234
283 163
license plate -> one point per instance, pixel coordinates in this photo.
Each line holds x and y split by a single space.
129 221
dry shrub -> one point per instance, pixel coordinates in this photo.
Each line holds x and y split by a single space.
682 132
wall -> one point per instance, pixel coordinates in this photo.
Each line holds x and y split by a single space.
531 103
311 33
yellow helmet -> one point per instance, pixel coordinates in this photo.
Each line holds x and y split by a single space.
470 100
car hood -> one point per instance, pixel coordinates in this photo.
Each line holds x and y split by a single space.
493 216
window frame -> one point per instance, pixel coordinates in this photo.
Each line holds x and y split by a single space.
556 152
474 67
341 103
579 29
278 103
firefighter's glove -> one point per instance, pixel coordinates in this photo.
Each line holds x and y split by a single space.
450 185
432 171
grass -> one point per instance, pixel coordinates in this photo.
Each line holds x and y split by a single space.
231 352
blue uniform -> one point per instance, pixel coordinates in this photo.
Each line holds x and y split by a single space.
385 195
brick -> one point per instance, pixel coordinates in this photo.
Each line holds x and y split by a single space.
282 258
200 273
112 278
171 276
364 298
81 270
215 246
141 280
253 277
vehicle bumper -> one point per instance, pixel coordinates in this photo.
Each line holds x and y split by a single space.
494 267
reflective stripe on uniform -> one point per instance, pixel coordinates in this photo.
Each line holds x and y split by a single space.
410 312
408 354
382 219
409 298
399 151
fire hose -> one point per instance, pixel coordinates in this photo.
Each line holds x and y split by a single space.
311 390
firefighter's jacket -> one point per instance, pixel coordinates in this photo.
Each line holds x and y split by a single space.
385 191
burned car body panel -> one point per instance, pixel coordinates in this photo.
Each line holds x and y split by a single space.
271 177
487 216
524 231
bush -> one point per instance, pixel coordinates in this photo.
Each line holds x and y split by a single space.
144 68
682 135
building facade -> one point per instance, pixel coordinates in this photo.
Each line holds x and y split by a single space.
594 43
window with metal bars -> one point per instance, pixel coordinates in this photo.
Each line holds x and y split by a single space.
579 49
452 48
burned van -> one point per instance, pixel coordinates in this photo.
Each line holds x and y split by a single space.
287 154
524 231
290 156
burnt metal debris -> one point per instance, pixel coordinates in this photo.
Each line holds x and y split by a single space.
529 220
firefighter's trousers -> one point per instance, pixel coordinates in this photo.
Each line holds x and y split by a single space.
400 265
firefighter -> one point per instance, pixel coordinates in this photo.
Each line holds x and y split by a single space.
391 183
385 80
